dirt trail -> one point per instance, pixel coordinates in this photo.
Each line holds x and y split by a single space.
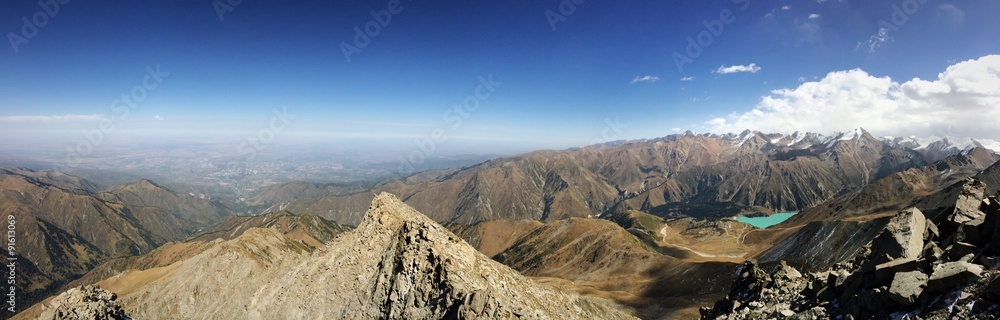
663 240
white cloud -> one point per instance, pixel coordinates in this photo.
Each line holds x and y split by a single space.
802 79
814 16
786 8
645 79
876 40
751 68
675 129
687 78
964 101
53 118
716 122
158 117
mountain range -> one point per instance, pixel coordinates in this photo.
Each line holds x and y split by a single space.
633 228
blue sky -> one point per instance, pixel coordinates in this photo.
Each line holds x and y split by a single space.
604 62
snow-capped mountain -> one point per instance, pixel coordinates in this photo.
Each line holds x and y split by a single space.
935 148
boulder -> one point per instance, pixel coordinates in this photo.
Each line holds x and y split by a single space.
902 238
907 286
885 272
951 274
960 249
968 203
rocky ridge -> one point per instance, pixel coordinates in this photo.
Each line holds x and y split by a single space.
942 267
398 264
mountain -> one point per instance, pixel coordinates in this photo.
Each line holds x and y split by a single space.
494 236
309 230
64 229
838 228
901 189
287 192
936 148
750 170
396 264
145 193
919 266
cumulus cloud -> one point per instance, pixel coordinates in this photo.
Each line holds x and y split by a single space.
645 79
814 16
687 78
786 8
158 117
751 68
964 101
53 118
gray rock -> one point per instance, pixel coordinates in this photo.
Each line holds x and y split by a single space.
903 238
952 274
968 203
907 286
88 302
885 272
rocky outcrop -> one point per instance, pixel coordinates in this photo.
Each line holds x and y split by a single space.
903 271
87 302
398 264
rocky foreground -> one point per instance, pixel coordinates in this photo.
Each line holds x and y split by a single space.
941 267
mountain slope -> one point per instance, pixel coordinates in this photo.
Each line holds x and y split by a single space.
310 229
396 264
750 170
145 193
901 189
64 229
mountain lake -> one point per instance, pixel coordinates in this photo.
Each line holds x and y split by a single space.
764 222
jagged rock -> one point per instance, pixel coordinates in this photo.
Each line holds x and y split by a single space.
933 253
903 238
907 286
88 302
951 274
885 272
968 203
960 249
787 272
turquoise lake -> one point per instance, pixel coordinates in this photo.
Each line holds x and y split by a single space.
764 222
